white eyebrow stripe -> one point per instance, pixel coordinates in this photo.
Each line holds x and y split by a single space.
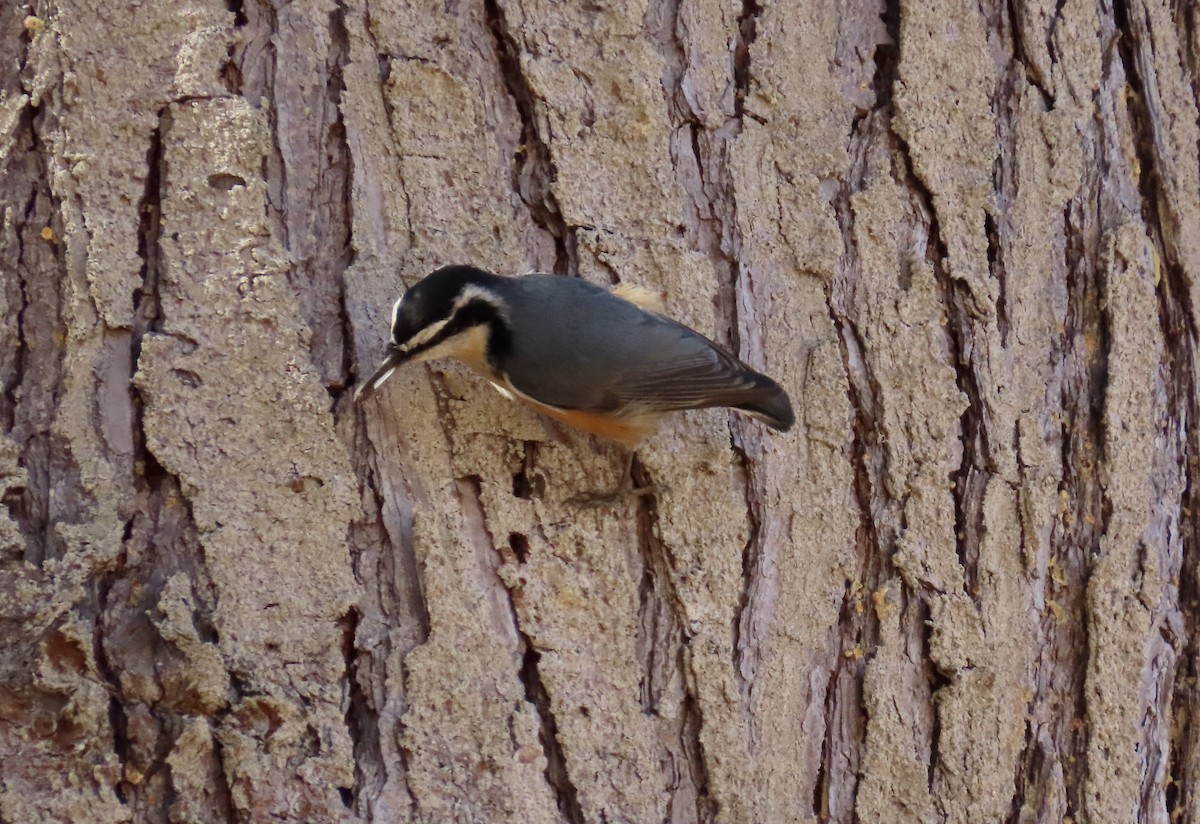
425 335
472 292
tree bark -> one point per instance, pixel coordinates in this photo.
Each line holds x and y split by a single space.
965 238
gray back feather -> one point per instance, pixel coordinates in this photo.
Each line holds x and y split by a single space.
577 346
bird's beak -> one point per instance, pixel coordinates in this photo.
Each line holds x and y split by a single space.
394 359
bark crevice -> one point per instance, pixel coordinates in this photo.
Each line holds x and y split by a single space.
960 306
663 625
1084 513
160 541
533 169
344 216
857 631
1178 329
535 689
747 33
1019 49
538 697
33 387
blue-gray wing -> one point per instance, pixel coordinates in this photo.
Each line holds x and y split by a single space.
691 372
603 354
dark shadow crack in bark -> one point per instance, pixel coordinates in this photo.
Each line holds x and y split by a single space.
713 221
1181 792
387 559
747 32
936 680
238 7
556 763
117 719
857 632
307 167
1133 48
1055 749
1177 324
1085 507
34 359
17 187
662 614
341 167
526 483
536 692
361 721
976 467
746 643
161 540
858 628
887 60
1009 23
533 169
843 745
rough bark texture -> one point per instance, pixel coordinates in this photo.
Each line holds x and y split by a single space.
966 237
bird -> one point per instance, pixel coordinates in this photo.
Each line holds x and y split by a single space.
606 361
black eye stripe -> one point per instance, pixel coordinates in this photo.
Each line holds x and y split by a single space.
477 312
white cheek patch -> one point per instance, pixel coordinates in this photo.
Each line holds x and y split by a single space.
425 335
448 348
396 311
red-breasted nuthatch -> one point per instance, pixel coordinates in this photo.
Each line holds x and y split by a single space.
599 360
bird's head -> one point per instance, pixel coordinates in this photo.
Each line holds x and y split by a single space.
450 312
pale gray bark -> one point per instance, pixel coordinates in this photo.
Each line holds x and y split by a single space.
966 238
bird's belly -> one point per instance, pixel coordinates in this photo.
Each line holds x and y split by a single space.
629 430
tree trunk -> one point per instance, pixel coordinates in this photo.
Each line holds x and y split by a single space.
965 238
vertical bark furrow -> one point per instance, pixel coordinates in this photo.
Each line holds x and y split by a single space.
20 194
744 652
858 626
1162 204
1160 209
887 61
970 257
388 567
533 172
666 663
1013 29
556 762
857 629
335 253
536 691
701 146
747 31
1066 649
144 659
294 54
34 249
971 478
27 252
711 198
844 711
691 722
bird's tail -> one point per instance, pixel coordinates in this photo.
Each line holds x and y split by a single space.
767 401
